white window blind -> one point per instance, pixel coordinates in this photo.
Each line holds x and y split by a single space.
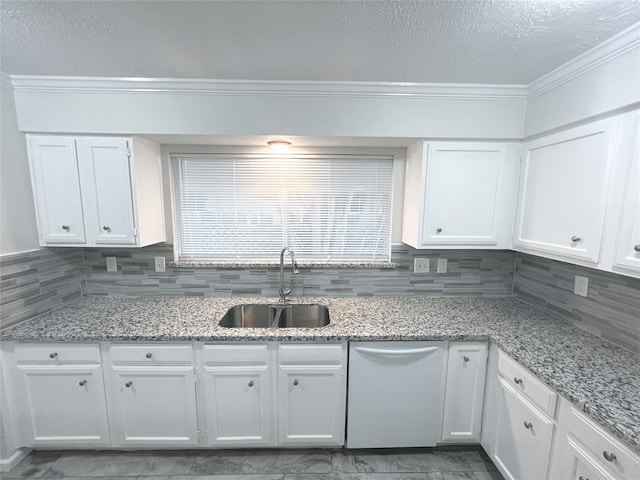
326 208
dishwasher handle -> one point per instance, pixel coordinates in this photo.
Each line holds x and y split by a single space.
401 352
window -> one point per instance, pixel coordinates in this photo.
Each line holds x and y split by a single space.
246 207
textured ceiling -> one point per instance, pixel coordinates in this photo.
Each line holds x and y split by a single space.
459 41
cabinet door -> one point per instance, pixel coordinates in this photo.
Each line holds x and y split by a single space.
311 404
106 182
464 394
523 438
628 247
56 185
573 461
153 406
65 405
237 406
463 193
564 189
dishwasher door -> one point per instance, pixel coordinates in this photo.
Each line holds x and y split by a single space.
394 394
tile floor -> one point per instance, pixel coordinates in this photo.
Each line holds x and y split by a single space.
398 464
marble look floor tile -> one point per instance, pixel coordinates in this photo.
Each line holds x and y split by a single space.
486 475
478 461
104 464
33 465
257 476
398 461
262 461
358 476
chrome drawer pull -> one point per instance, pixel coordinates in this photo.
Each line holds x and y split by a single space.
53 355
528 425
251 383
82 383
128 384
148 355
517 380
466 359
610 457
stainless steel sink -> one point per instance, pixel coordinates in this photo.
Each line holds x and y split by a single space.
276 316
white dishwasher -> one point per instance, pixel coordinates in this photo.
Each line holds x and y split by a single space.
395 394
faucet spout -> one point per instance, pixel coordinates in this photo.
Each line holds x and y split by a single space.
294 269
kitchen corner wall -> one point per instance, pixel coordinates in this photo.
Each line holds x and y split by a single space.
38 281
611 311
470 272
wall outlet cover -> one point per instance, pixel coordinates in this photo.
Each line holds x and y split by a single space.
112 266
421 265
159 264
442 265
581 286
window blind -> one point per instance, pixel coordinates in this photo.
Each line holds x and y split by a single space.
326 208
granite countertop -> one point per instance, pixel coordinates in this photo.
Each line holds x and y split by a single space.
602 379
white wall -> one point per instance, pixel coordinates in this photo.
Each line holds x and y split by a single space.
116 107
17 214
598 90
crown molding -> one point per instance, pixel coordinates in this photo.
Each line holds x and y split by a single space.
5 80
607 51
46 84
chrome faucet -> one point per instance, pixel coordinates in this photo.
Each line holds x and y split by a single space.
294 268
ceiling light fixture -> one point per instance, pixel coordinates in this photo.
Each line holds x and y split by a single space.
279 145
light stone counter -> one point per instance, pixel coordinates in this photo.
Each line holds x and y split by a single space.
602 379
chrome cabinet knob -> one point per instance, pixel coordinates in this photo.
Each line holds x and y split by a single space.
82 383
582 478
518 381
439 230
575 238
66 228
106 229
251 383
148 355
465 358
528 425
295 382
53 355
609 457
637 248
128 384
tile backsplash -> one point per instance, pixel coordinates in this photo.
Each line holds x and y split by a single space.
39 281
611 310
470 272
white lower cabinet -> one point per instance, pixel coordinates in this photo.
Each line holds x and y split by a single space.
58 395
151 393
523 437
464 392
311 394
270 394
584 451
235 396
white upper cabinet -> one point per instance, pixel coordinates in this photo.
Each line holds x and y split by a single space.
565 180
459 194
97 191
106 183
627 249
56 185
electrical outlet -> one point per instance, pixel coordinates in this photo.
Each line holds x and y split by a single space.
421 265
442 265
159 264
581 286
112 266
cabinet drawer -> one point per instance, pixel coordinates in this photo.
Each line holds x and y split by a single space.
235 354
626 465
330 354
527 385
151 354
57 353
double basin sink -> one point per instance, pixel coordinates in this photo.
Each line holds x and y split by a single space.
276 316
